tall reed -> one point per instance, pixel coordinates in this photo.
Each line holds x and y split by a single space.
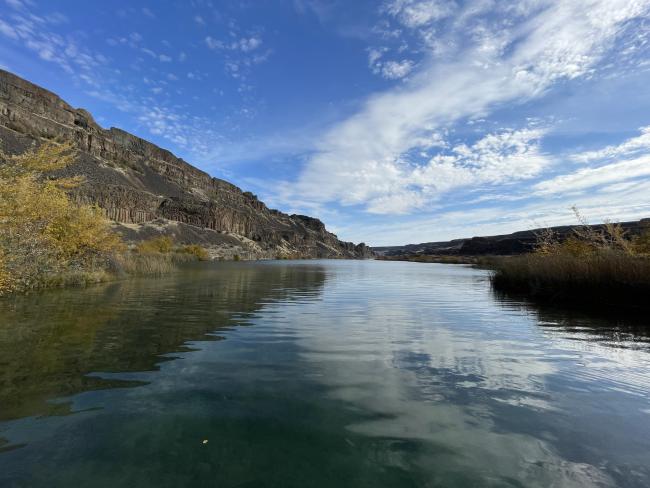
598 266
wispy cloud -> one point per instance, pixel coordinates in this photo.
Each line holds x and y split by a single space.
418 13
365 160
630 147
34 32
245 44
612 167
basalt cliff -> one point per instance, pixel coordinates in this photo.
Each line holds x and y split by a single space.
147 191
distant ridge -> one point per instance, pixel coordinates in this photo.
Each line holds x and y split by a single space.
502 245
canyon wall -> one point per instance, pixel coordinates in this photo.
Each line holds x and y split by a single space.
138 183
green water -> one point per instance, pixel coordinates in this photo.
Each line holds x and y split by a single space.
317 374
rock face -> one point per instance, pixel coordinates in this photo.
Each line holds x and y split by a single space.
137 182
501 245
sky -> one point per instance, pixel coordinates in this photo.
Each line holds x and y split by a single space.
394 121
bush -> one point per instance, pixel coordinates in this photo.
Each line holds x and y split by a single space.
195 250
236 257
42 231
162 245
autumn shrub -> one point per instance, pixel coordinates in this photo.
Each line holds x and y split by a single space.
43 233
161 244
195 250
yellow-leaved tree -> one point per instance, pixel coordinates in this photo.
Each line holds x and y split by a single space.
43 232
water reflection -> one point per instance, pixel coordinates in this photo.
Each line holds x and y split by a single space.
351 374
51 342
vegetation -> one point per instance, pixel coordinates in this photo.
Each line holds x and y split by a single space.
599 266
195 250
148 264
44 235
162 245
46 239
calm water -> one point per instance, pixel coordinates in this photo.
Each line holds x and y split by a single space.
317 374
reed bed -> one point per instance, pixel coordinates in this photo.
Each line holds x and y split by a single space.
601 268
600 279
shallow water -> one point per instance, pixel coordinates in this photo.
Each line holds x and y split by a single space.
321 373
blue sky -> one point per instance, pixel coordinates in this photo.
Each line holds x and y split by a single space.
393 121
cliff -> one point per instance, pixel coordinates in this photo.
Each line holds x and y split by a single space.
147 190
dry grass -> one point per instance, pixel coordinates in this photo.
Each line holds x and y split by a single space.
150 264
600 278
593 266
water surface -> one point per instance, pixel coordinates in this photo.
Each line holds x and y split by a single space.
317 374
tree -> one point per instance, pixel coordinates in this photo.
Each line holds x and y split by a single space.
42 231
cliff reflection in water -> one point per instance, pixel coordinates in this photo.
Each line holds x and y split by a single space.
51 342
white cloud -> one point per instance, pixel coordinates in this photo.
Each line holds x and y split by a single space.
249 44
19 4
149 52
365 160
612 168
417 13
164 58
374 55
34 32
148 13
7 30
394 70
213 43
625 203
245 44
587 178
627 148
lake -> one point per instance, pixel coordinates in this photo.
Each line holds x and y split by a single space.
318 374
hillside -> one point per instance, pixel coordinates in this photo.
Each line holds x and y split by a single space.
148 191
498 245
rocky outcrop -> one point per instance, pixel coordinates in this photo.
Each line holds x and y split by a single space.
137 182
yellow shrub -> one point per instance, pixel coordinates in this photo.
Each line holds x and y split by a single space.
83 230
576 247
42 231
162 244
195 250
